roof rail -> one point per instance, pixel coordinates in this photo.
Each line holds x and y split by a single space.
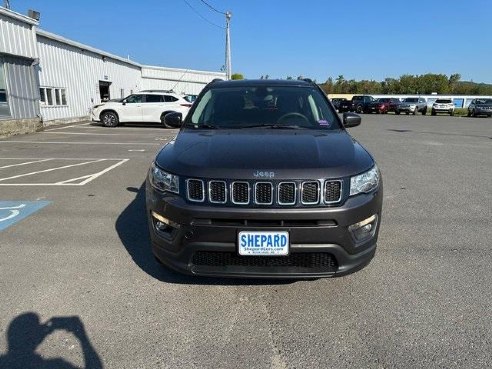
161 91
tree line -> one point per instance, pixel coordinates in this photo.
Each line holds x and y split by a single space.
424 84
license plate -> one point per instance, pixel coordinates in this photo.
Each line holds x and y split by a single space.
263 243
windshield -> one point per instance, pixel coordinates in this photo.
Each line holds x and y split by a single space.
384 100
411 100
484 101
257 106
443 101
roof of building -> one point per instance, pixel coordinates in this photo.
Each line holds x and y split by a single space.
18 16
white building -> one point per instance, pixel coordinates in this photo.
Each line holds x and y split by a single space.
47 78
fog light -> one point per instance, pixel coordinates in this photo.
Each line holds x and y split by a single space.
163 224
364 230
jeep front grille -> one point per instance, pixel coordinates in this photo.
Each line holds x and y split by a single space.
333 191
217 192
287 193
195 190
240 193
310 193
263 193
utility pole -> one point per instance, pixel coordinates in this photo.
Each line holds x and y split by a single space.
228 46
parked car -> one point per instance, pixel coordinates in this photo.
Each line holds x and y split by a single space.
263 180
443 106
362 103
140 107
336 102
412 105
393 104
345 106
383 105
480 107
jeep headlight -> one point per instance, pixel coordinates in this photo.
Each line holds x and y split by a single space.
365 182
162 180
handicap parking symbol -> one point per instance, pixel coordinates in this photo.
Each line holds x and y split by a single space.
12 212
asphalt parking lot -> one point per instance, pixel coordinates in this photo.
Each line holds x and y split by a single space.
74 243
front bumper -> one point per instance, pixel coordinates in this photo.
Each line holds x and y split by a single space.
203 239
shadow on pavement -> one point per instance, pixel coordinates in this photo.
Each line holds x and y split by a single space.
133 231
25 333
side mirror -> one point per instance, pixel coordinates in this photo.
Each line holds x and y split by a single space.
123 102
173 120
351 120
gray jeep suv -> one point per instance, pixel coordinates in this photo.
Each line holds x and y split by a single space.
263 180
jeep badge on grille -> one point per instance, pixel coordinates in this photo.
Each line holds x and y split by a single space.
263 174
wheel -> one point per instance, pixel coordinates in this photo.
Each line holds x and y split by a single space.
433 112
359 109
292 115
397 112
109 119
407 112
451 113
473 114
424 112
415 111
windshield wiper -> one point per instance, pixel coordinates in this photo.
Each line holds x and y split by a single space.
197 126
274 126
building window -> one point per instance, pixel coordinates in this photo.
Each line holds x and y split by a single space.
53 96
49 95
4 104
122 93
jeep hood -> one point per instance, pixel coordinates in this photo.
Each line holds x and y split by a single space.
289 154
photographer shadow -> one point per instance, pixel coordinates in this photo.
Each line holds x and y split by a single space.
25 333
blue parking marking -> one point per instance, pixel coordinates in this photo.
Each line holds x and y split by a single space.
12 212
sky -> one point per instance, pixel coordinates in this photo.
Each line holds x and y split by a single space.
313 38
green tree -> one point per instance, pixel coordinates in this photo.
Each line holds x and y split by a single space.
237 76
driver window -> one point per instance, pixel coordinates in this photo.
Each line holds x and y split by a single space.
134 99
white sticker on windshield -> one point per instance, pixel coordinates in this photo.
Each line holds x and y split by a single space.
323 123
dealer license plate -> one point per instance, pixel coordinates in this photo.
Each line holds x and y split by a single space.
267 243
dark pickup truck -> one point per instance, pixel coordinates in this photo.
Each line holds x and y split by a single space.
363 103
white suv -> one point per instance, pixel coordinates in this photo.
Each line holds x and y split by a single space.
443 106
145 106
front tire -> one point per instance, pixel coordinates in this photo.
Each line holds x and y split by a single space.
110 119
359 109
397 112
424 112
433 112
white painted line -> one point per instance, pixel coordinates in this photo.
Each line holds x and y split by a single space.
88 178
63 158
139 150
102 172
80 143
50 170
26 163
83 133
74 179
64 127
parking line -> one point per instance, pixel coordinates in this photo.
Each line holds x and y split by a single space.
50 170
102 172
83 133
26 163
80 143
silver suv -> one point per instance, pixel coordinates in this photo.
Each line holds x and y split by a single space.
412 105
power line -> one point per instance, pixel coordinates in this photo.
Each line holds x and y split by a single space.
211 7
201 16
